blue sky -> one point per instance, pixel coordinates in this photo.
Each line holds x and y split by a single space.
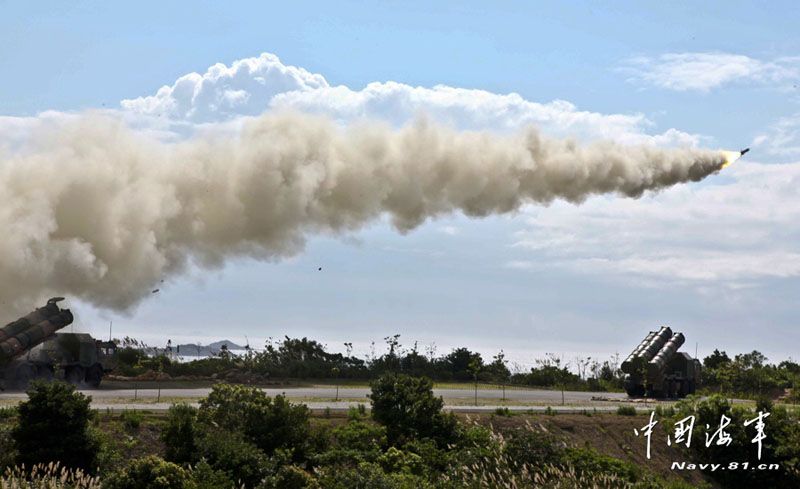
717 259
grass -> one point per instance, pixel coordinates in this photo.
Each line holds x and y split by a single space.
131 420
626 411
50 476
502 411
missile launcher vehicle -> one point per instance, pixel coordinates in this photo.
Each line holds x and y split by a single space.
32 348
657 369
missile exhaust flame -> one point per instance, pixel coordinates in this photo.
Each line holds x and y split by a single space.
732 156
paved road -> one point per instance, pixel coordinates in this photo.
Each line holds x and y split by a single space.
345 405
458 396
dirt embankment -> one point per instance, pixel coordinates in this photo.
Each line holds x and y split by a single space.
610 434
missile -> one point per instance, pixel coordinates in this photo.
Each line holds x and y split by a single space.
731 156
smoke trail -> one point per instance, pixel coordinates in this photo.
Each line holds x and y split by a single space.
99 211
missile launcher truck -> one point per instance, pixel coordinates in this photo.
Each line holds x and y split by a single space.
656 368
31 348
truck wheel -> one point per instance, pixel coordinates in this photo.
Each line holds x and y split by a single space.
75 375
94 375
23 375
45 372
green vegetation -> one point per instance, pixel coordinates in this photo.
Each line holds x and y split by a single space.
47 476
180 434
268 423
502 411
53 426
749 375
131 420
240 437
406 406
150 472
307 359
626 411
781 446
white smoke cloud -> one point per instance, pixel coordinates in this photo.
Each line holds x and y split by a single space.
704 71
95 210
15 131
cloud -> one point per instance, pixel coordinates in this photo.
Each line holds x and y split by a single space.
476 110
733 234
223 92
703 71
782 138
250 86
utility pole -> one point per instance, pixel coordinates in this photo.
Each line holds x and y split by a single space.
335 372
110 324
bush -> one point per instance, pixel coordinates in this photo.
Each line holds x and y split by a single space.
269 423
53 426
531 447
205 477
231 453
353 443
435 460
8 412
587 461
503 411
665 412
131 420
150 473
7 451
781 445
368 476
180 434
395 460
407 407
358 435
355 413
289 477
626 411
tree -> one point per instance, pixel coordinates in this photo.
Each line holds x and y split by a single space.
607 373
497 371
754 359
54 427
458 363
716 359
407 407
180 434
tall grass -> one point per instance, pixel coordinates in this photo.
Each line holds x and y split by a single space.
50 476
